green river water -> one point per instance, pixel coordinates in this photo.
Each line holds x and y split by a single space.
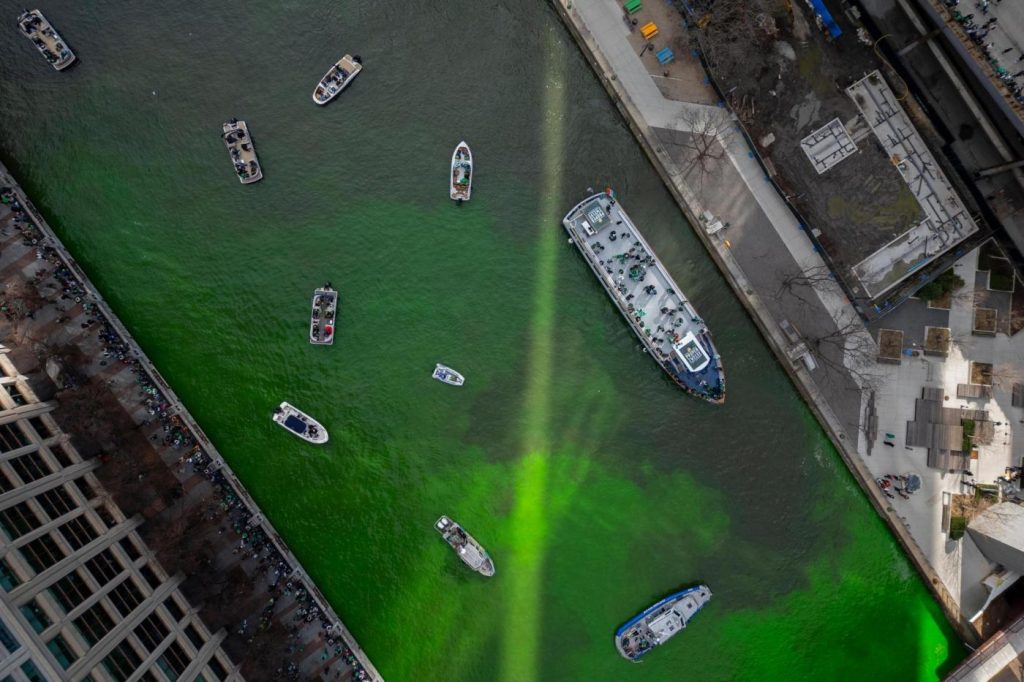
597 486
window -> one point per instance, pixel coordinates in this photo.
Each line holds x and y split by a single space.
172 607
125 597
106 516
217 669
122 661
149 576
42 553
35 616
104 567
8 580
87 488
41 428
8 640
94 624
174 661
5 482
130 548
55 502
78 532
151 632
194 636
32 672
62 454
19 520
62 652
30 467
15 394
70 591
11 437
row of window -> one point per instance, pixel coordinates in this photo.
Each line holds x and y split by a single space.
54 502
14 435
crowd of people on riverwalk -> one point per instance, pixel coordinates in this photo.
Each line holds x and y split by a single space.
1004 58
254 544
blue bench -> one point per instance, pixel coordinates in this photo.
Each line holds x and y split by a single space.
666 55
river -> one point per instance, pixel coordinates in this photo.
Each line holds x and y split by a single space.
597 486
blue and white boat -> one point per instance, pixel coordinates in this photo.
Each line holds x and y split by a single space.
448 375
299 423
660 622
656 309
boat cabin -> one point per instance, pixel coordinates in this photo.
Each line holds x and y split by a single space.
666 625
693 355
590 219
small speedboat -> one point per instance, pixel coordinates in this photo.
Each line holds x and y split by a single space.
323 316
462 172
44 36
448 375
337 78
469 550
243 154
300 423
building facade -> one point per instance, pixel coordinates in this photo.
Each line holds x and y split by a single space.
81 596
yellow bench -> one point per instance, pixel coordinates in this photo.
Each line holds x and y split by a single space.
649 30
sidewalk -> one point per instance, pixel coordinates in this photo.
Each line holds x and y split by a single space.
762 249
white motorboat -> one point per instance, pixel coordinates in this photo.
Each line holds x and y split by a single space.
448 375
462 172
301 424
469 550
337 78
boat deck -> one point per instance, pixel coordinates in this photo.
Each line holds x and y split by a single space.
337 78
243 151
660 622
323 314
660 314
45 37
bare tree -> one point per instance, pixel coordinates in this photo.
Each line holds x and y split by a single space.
845 351
709 132
1006 375
804 283
848 350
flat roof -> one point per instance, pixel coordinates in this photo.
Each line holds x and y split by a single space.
828 145
946 221
591 217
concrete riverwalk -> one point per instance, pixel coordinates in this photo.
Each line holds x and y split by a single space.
60 308
764 251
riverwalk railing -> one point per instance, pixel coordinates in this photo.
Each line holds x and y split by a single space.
218 463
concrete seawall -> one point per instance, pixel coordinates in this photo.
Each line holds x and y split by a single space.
767 324
299 575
